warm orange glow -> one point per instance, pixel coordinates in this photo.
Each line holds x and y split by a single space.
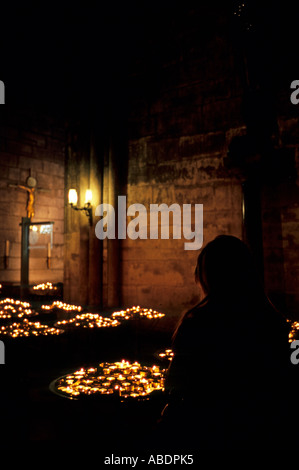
88 196
73 196
10 308
137 312
166 354
88 320
122 379
45 286
294 331
62 306
27 328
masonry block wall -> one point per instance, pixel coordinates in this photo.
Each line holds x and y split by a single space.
34 144
180 126
186 106
163 136
281 218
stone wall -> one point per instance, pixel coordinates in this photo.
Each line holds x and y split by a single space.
162 134
31 143
281 220
186 106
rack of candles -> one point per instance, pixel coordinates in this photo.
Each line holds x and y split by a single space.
27 328
10 308
137 312
57 304
117 379
166 354
44 286
294 332
88 320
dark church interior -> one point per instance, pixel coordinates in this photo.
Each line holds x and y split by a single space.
186 103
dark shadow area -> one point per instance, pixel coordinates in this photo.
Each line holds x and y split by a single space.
231 384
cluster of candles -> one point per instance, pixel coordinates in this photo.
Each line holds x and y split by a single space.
121 379
62 306
294 331
10 308
88 320
137 312
27 328
167 354
45 286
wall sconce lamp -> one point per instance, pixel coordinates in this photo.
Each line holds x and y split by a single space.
87 208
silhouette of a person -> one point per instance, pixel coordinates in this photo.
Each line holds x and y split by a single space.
227 384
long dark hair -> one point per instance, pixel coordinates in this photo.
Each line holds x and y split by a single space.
226 271
226 265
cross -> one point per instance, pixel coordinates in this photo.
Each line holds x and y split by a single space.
31 189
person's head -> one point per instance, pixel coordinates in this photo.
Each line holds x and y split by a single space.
225 267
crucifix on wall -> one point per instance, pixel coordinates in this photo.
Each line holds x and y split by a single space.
31 190
36 236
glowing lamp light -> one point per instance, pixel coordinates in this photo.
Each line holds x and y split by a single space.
73 196
88 196
87 208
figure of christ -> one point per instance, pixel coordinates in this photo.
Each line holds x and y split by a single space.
30 200
31 190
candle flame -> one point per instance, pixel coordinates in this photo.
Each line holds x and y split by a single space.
129 380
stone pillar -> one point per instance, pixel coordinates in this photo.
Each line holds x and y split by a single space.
113 246
95 272
25 257
83 251
115 184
